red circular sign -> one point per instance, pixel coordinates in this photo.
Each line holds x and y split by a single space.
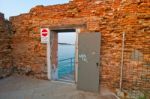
44 32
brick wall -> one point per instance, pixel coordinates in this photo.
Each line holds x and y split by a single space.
110 17
5 47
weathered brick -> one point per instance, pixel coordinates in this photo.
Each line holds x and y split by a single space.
109 17
5 47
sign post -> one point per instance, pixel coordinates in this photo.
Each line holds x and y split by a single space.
45 35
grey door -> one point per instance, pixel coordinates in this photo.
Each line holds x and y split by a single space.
89 59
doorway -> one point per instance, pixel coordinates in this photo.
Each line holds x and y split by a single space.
66 56
63 45
85 69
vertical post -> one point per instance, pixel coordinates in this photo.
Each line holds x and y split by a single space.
76 55
49 58
122 60
71 64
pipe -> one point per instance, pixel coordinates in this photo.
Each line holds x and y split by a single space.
122 60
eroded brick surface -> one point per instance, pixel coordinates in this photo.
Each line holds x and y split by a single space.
5 47
109 17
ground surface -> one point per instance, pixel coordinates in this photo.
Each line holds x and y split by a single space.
18 87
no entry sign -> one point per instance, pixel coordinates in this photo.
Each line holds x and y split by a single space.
44 35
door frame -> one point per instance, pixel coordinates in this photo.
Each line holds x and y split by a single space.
49 70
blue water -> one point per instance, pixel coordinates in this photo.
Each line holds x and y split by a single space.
66 54
66 51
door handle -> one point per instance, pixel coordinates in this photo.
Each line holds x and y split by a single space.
97 64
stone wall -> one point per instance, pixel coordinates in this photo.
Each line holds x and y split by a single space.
109 17
5 47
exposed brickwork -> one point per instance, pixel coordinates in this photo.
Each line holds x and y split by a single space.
109 17
54 49
5 47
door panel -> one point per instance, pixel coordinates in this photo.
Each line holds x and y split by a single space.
89 57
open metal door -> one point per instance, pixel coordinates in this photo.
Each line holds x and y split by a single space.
89 59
